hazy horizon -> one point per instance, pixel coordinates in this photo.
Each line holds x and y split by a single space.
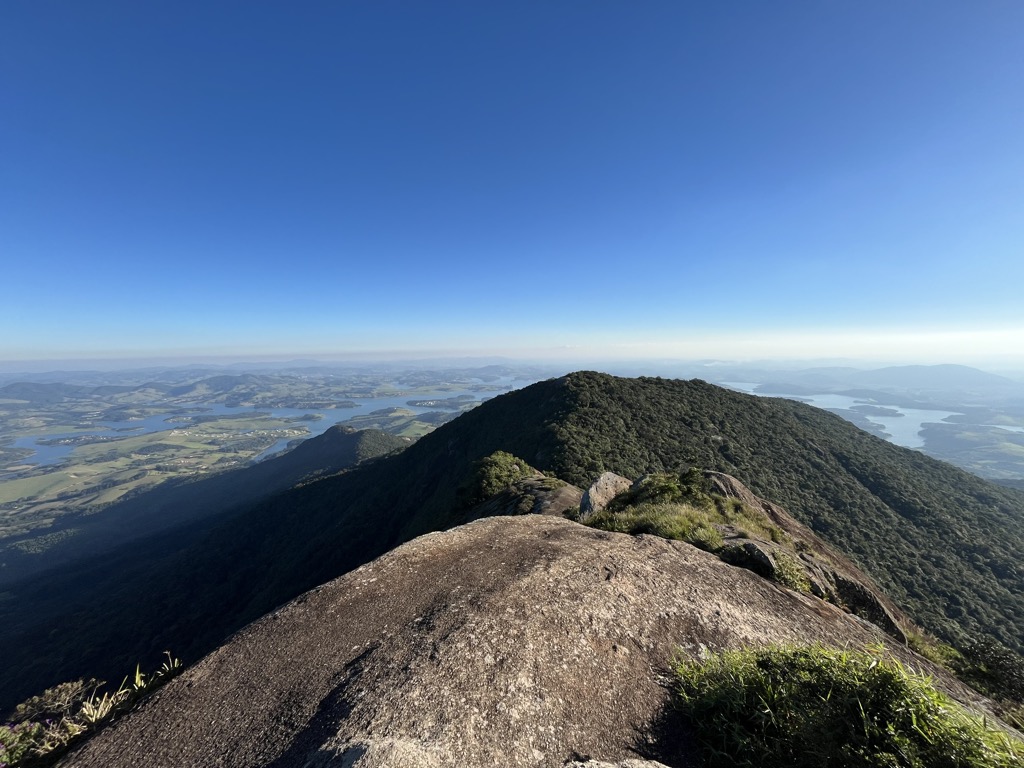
562 181
665 366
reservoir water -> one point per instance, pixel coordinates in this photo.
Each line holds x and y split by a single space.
177 418
902 428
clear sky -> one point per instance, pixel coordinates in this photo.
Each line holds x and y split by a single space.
717 179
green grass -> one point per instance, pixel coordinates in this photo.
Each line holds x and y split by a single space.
32 487
657 498
415 430
808 707
682 522
789 573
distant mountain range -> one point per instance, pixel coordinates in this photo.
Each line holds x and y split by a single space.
951 383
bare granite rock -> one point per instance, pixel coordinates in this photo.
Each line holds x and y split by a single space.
513 641
604 489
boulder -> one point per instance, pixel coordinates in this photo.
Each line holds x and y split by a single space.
750 554
605 488
535 494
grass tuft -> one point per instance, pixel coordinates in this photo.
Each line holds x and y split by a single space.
680 521
45 726
789 572
806 707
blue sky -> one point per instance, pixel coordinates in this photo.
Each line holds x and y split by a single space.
679 179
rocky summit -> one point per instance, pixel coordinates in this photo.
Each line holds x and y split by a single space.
941 544
528 640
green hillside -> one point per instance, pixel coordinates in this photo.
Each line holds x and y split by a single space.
944 543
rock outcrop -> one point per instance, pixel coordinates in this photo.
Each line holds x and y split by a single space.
536 495
515 641
605 488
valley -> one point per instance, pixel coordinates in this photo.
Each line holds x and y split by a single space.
69 450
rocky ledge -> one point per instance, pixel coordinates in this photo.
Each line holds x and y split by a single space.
525 640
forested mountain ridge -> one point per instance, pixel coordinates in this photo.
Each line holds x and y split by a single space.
943 543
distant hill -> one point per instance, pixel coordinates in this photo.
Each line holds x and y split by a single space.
930 377
903 379
1017 484
33 392
943 543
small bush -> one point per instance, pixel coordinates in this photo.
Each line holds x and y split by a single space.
934 650
789 572
649 489
706 537
18 741
664 488
812 707
747 522
492 475
55 702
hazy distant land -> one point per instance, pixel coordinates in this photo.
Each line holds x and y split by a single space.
68 450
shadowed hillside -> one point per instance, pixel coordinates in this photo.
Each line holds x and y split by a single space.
181 501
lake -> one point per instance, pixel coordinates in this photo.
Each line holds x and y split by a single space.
904 429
